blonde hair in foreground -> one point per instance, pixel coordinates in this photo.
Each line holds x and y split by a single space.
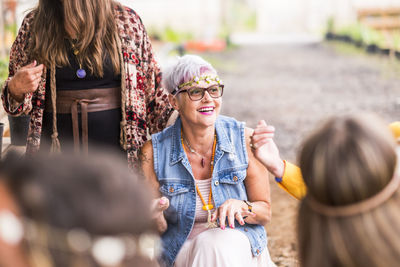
348 160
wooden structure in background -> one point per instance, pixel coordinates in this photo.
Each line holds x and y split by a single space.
385 20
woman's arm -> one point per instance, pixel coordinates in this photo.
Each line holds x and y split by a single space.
257 187
17 93
287 175
290 179
258 194
159 204
158 109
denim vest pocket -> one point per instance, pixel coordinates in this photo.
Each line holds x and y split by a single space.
233 177
175 192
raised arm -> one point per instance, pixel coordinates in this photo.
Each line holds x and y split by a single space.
287 175
258 194
24 76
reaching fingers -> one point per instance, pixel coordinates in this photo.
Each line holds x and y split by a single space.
231 217
222 216
258 137
262 123
260 143
163 203
30 65
264 129
160 204
239 217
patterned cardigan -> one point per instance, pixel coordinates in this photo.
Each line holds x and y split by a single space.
145 105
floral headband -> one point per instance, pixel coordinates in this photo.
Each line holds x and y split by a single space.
196 80
105 250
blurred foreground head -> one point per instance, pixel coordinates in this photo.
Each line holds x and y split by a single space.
350 216
74 211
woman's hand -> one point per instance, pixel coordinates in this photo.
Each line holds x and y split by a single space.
265 149
26 80
233 209
159 205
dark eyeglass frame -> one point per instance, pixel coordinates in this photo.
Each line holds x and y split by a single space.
203 91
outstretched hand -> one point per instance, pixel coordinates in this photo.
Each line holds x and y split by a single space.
265 149
158 207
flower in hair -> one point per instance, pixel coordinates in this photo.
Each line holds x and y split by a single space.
206 78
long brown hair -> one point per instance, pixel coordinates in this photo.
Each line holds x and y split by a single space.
348 160
93 21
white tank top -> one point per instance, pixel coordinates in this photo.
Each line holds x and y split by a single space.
201 215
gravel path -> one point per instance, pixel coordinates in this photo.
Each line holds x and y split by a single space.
294 87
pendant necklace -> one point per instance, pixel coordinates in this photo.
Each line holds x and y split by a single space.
203 163
80 73
206 206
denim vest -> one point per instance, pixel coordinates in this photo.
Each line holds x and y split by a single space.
177 183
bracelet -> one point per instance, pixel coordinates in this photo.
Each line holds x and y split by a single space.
249 205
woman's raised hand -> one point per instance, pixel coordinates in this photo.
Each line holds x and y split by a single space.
265 149
231 210
26 80
159 205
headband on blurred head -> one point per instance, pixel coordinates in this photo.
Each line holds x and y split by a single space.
357 208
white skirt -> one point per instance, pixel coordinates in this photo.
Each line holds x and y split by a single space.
222 248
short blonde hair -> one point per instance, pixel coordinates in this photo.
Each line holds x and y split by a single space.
348 160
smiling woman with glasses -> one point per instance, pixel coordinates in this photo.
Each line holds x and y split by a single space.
207 177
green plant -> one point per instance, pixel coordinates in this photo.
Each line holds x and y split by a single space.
3 70
330 24
396 41
373 37
168 34
355 32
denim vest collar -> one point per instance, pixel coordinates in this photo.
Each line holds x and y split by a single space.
223 142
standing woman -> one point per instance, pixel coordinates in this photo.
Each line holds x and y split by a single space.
218 193
85 72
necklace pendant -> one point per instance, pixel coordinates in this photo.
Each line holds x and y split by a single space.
81 73
202 163
209 223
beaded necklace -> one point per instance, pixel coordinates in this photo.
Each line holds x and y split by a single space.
207 207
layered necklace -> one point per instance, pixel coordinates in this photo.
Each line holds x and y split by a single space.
80 73
206 206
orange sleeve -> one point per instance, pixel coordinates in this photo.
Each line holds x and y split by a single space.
292 181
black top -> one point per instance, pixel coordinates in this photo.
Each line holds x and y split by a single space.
103 126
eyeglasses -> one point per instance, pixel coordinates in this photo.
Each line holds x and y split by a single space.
197 93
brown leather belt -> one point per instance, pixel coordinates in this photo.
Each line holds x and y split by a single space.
84 101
